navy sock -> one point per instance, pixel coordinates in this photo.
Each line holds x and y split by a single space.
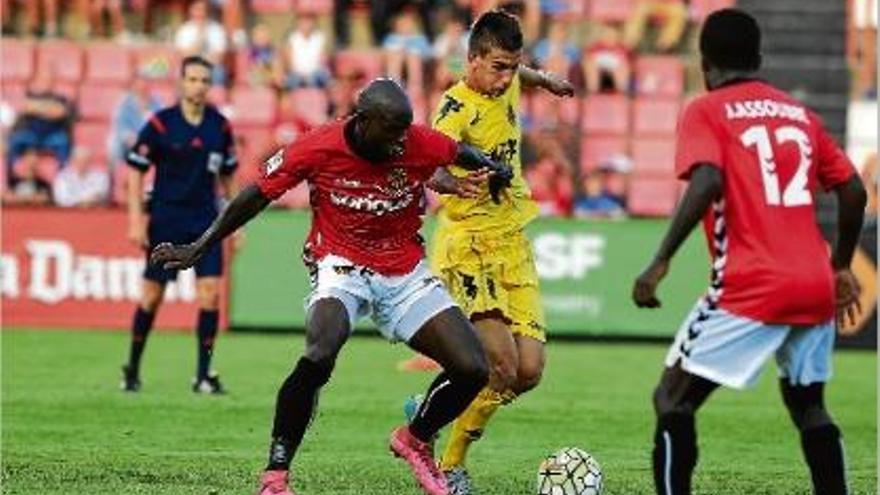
207 333
675 453
823 448
141 325
294 408
447 397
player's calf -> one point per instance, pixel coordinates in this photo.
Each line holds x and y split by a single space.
674 457
675 453
821 440
294 408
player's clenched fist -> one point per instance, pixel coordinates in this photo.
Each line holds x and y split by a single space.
645 288
175 257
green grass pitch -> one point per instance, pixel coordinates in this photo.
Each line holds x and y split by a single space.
67 429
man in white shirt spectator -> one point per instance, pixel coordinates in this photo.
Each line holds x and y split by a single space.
201 35
80 185
305 55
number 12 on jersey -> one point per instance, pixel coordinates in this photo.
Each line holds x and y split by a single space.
796 193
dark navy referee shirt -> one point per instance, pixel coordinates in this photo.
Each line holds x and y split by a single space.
187 159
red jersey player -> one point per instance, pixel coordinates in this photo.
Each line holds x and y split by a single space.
367 176
753 157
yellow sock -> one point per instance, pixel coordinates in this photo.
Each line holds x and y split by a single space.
468 427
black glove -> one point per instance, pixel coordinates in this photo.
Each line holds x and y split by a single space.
502 174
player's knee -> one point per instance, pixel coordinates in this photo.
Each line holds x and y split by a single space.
805 405
529 377
322 352
209 299
472 373
151 299
664 402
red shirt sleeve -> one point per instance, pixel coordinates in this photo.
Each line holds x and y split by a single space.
430 148
286 168
697 142
833 166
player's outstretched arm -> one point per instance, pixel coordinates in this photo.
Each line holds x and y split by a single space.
482 167
851 201
241 209
705 185
547 80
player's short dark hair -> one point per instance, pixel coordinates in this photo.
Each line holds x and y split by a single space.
731 39
195 60
495 29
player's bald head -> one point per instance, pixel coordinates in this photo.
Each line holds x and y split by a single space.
384 97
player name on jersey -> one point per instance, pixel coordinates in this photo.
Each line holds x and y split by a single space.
756 109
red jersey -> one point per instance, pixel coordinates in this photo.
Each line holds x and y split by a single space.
769 260
368 213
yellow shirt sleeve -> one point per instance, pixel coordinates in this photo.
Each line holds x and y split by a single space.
452 116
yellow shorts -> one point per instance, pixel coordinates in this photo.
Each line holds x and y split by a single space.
492 273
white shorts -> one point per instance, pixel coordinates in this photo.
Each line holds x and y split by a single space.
731 350
399 305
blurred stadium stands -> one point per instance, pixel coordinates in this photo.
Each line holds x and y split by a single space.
638 123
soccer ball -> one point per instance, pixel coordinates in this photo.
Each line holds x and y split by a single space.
570 471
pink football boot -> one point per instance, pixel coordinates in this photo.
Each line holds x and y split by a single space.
275 483
420 457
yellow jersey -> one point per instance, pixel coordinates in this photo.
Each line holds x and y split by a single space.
492 126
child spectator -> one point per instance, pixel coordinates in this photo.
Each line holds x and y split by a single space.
406 47
450 52
128 119
263 65
555 53
594 200
201 35
305 55
607 63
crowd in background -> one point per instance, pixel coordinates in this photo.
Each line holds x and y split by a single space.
284 66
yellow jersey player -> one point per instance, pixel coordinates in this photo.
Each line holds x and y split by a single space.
480 248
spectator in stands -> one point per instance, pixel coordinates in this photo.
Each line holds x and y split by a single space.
130 116
113 8
528 11
550 176
383 15
232 14
450 51
43 124
7 14
862 47
48 10
607 62
203 36
595 200
461 10
671 15
305 55
341 23
177 6
263 64
81 185
406 48
555 53
26 187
